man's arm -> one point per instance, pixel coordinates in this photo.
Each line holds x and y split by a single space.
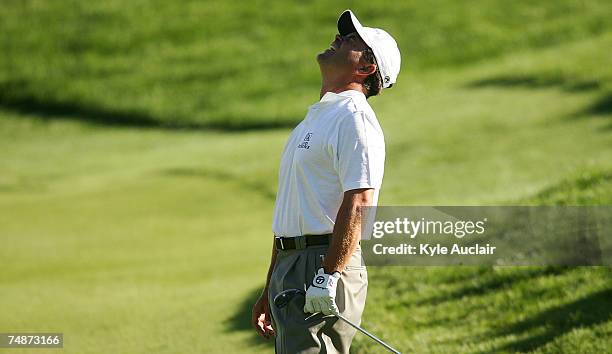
271 267
260 317
347 230
321 295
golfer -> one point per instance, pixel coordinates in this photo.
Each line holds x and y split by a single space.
331 167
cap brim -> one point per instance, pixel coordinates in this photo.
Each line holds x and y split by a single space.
348 23
345 23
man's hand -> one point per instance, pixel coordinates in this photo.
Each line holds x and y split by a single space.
321 295
260 317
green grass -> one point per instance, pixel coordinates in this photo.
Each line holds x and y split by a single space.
135 203
230 66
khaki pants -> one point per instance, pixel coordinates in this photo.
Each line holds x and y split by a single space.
297 332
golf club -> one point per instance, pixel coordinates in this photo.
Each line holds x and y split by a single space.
283 298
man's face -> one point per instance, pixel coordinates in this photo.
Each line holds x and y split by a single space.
344 52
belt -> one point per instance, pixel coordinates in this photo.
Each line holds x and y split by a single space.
301 242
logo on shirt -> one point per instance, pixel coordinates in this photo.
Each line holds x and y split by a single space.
305 142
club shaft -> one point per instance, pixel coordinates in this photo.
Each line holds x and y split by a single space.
379 341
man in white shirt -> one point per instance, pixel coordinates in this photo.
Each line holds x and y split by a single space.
331 167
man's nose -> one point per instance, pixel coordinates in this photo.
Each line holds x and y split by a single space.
338 39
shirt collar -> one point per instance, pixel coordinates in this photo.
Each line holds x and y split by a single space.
331 96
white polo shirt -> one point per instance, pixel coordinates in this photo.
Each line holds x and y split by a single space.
339 146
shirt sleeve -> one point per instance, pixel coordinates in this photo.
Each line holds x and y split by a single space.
360 152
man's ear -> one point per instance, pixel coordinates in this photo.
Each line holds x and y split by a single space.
367 69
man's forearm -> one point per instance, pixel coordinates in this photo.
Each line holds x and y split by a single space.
270 268
347 231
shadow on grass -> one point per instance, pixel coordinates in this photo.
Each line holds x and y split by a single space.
485 283
600 108
603 106
240 320
248 185
16 97
532 81
588 311
577 190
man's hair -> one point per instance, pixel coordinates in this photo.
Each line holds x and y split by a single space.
372 83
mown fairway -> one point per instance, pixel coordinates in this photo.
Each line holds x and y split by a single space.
139 145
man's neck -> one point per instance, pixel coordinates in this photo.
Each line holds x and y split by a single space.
335 88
